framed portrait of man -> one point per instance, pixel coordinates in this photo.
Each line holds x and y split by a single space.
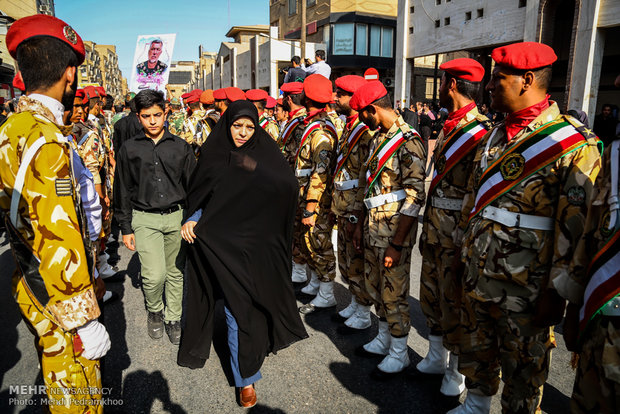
151 62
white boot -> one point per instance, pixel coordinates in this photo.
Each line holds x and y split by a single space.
397 358
312 288
325 298
349 310
453 383
104 257
106 271
299 273
437 358
381 344
360 319
474 404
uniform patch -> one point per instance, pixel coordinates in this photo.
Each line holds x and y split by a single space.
440 166
407 159
512 167
576 195
374 163
70 34
64 188
604 229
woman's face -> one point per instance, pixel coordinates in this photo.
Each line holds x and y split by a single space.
242 130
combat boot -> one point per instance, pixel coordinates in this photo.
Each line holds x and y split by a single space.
453 383
380 345
475 403
360 319
299 273
312 288
347 312
396 360
437 358
325 296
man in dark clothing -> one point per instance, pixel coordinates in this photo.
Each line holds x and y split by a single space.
152 176
605 125
126 127
410 116
295 73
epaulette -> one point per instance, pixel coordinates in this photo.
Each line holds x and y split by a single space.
586 132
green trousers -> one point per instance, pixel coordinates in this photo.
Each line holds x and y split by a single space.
158 242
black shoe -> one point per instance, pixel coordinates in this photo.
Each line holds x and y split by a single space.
155 324
173 329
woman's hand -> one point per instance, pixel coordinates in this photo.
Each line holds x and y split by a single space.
187 231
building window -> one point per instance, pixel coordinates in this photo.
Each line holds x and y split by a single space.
410 29
411 9
343 38
429 88
479 13
292 7
522 3
361 39
468 16
438 2
387 35
446 21
375 40
310 3
437 23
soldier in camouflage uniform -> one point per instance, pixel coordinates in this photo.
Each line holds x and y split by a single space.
347 198
211 115
532 184
314 165
176 119
259 98
53 283
593 286
289 141
440 290
192 127
393 178
333 116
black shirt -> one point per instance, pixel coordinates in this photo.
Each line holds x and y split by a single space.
151 177
125 128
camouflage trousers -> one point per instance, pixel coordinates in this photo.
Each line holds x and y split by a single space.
298 238
497 340
389 288
318 249
441 294
62 367
351 264
597 384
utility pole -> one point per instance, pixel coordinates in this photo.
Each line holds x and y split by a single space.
303 30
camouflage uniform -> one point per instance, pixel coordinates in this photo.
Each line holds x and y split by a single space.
47 222
507 268
344 203
175 123
191 131
338 123
597 383
271 127
317 154
440 290
389 288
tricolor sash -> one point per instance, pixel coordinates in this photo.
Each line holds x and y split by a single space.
357 130
541 147
288 130
263 121
604 282
384 152
456 146
313 126
329 125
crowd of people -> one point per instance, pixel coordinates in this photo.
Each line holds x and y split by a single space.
235 195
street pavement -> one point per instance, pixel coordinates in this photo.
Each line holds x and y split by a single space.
321 374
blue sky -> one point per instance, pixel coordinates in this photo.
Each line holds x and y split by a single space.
119 22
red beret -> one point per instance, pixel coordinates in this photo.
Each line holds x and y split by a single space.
219 94
197 91
91 92
350 83
271 103
279 102
194 96
234 94
318 88
464 68
206 97
101 90
18 82
371 74
524 55
293 88
186 95
256 95
43 25
367 94
80 93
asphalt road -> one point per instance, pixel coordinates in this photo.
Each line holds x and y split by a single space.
321 374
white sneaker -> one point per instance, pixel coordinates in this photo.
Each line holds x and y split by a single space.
349 310
397 358
325 297
453 382
312 288
360 319
106 271
474 404
436 361
380 345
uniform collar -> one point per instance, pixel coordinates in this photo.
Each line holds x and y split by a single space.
455 117
92 118
518 120
56 108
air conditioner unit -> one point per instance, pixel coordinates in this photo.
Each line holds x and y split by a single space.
388 82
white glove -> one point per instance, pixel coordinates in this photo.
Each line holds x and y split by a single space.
95 340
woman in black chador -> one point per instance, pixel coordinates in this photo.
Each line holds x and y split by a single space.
243 195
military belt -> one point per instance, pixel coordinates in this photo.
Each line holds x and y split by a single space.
346 185
444 203
378 201
517 220
306 172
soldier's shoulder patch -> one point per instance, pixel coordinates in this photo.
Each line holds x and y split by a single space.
605 221
409 134
576 195
64 188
